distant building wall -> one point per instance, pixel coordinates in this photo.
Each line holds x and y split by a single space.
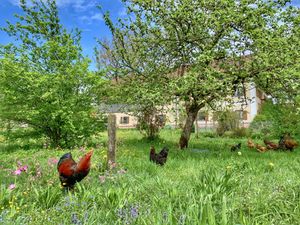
247 110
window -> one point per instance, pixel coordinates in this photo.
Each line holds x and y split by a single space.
202 116
160 119
124 120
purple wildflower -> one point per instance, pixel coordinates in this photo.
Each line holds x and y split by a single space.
75 219
121 214
52 161
17 172
24 168
11 186
134 212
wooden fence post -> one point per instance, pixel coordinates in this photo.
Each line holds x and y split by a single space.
111 129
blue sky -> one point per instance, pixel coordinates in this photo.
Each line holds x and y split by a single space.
82 14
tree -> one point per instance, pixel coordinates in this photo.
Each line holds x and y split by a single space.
212 48
45 81
136 79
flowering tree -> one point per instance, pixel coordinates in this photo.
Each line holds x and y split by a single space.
202 51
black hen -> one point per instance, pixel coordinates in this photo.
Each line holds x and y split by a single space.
159 158
236 147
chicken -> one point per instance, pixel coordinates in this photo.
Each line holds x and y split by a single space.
271 145
250 144
71 172
236 147
260 148
281 144
159 158
289 143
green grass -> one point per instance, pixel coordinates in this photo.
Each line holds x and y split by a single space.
214 187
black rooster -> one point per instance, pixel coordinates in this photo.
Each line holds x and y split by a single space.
236 147
159 158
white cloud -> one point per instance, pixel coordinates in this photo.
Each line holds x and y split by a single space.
91 19
97 16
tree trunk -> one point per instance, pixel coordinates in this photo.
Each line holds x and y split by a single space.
192 112
197 127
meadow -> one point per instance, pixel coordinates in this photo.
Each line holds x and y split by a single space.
209 185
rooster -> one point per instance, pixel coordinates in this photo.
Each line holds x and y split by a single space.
236 147
271 145
71 172
260 148
159 158
250 144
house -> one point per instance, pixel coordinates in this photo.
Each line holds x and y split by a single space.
246 109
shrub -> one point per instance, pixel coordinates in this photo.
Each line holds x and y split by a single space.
276 119
227 121
150 122
240 132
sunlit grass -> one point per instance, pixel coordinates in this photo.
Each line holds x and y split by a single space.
214 186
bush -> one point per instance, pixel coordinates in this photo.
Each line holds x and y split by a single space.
150 122
276 119
209 134
227 121
241 132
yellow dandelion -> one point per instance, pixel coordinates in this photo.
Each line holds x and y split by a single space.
271 164
239 153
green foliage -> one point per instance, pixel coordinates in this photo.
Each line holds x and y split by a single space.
277 119
45 81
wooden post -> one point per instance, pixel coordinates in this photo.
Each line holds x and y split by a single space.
111 128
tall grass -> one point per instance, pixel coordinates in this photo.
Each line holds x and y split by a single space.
214 186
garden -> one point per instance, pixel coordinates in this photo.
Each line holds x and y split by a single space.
113 136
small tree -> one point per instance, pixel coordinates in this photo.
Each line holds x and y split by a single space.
143 88
44 79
